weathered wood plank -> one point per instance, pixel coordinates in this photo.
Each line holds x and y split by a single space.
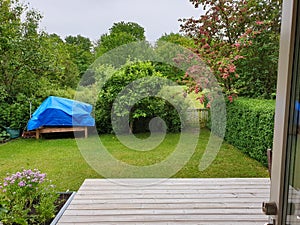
208 205
169 201
163 223
178 181
168 211
224 196
166 218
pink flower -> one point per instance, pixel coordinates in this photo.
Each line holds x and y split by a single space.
225 75
201 99
206 46
238 57
259 22
232 69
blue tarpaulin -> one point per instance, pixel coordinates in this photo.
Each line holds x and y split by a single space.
61 112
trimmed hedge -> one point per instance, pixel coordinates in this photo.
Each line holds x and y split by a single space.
250 125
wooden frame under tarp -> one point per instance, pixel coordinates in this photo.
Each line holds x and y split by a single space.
45 130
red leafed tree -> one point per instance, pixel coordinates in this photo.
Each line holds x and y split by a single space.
224 32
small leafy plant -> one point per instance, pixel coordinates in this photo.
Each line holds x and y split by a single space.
27 197
4 136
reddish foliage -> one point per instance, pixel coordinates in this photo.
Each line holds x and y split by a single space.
228 27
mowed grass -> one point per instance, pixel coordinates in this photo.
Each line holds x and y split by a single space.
61 159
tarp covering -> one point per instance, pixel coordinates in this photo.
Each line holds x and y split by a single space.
61 112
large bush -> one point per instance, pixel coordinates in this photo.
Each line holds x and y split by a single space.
139 79
250 125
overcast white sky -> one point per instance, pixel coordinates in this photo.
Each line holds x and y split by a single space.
92 18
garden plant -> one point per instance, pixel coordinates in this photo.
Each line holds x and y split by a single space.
27 197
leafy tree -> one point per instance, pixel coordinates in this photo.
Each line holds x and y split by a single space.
147 108
109 42
80 49
163 49
62 72
19 49
32 64
177 39
225 33
258 71
120 33
134 29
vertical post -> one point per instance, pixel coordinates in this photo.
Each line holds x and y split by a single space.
85 132
37 134
30 108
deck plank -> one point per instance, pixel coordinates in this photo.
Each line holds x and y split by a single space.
169 201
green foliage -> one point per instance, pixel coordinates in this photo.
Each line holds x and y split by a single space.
243 44
132 28
250 125
120 34
258 71
80 52
33 65
166 53
4 136
60 69
112 41
16 114
177 39
19 48
149 106
27 197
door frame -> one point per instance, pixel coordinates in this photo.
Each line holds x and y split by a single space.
285 70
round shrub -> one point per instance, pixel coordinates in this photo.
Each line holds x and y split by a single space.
138 89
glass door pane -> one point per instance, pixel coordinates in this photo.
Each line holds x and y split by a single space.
292 179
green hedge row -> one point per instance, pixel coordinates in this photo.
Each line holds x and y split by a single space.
250 125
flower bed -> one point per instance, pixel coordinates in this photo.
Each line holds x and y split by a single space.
28 197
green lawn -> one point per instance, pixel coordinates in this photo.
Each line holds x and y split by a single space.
64 164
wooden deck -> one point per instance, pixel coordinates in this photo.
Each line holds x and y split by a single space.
169 201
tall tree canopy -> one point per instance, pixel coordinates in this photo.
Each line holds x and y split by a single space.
120 33
132 28
80 49
33 64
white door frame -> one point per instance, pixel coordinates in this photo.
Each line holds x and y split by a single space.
287 41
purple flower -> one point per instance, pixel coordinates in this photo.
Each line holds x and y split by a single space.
18 175
22 183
